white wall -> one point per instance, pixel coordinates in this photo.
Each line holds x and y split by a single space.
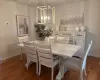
92 21
8 30
91 10
32 17
65 10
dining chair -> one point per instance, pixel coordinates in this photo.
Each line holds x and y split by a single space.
62 39
21 40
77 64
52 38
31 55
46 57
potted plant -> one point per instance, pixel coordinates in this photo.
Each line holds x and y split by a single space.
42 31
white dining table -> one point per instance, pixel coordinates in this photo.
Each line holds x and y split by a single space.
65 51
60 49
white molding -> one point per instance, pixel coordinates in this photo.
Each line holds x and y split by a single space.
95 55
7 57
0 59
12 53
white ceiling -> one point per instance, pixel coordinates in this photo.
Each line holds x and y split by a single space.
41 2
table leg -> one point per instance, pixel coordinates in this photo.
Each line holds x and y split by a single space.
61 71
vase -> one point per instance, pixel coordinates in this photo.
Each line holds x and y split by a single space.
77 28
82 28
47 40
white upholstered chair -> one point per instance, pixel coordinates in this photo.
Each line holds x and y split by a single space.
21 40
77 64
46 57
31 55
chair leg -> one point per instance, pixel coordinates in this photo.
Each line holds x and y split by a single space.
27 64
52 73
39 69
85 72
81 75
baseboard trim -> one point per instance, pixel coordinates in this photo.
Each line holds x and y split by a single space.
0 59
5 58
97 56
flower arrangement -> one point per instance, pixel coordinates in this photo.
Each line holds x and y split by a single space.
42 31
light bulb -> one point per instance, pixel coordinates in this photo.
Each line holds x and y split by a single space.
77 29
48 17
42 17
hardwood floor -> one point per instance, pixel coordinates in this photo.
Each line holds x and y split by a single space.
14 69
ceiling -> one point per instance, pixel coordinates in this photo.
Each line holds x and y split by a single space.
41 2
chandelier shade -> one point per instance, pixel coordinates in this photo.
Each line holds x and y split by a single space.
45 14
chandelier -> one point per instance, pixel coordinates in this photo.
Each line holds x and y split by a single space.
45 13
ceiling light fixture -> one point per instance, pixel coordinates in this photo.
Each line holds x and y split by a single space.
45 13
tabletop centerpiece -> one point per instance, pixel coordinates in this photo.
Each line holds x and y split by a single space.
42 31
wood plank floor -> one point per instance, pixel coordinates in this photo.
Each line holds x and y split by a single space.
13 69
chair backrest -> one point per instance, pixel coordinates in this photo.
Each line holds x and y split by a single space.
86 54
44 53
52 38
23 39
29 48
62 39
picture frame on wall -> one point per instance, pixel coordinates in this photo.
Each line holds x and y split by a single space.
22 23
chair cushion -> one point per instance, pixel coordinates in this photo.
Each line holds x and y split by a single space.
79 53
73 63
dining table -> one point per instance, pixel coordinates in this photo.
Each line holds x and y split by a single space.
64 51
